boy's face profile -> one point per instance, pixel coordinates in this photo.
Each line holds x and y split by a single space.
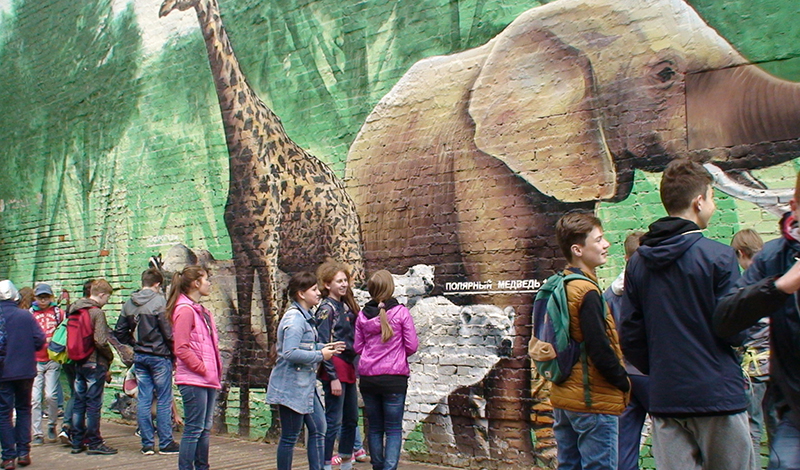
594 251
705 207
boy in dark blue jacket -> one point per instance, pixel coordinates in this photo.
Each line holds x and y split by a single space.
24 337
672 285
770 287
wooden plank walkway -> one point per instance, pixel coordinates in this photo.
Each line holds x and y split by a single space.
227 453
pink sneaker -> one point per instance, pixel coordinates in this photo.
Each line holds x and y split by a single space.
361 455
336 460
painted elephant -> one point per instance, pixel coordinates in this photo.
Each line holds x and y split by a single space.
470 159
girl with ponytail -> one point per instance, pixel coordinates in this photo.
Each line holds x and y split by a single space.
198 371
385 336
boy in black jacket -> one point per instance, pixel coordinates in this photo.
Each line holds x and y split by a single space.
770 287
672 283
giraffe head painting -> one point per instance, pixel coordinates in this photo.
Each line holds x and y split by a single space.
286 210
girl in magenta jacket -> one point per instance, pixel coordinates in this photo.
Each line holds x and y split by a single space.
385 337
198 370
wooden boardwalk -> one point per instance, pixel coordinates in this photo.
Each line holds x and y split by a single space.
227 453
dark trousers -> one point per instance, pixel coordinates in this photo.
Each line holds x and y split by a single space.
385 438
632 421
341 416
15 437
90 381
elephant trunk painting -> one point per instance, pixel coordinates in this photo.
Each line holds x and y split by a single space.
740 106
470 159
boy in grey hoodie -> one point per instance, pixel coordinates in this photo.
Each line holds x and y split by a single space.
144 325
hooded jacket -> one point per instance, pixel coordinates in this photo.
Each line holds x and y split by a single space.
102 354
672 285
391 357
24 337
144 325
756 296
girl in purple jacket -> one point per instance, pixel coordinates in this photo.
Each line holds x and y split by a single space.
385 337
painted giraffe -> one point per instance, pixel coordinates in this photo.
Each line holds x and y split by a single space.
286 210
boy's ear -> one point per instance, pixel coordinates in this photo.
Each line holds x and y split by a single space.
576 250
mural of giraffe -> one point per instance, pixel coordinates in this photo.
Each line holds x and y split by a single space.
286 210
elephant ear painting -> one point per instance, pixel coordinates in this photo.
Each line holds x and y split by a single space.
470 159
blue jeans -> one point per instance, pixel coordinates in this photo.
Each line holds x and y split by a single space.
198 411
632 421
90 380
784 450
15 438
341 414
385 417
69 373
291 425
154 373
586 441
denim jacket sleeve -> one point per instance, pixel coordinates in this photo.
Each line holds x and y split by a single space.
298 341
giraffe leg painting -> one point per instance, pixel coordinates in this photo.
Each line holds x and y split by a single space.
286 210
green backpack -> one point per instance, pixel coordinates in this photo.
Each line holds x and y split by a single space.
57 349
553 351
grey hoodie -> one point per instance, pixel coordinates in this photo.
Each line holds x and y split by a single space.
144 325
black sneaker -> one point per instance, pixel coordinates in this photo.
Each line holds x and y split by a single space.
148 450
172 448
102 449
77 450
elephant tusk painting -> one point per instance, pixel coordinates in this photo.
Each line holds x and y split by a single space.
440 140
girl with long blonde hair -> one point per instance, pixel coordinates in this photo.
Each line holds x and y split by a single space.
385 336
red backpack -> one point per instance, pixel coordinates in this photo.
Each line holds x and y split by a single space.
80 335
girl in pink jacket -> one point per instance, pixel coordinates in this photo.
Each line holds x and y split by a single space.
385 337
198 370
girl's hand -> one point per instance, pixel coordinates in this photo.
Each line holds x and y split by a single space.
339 346
328 351
336 387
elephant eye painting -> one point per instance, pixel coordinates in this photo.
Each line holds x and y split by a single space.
439 140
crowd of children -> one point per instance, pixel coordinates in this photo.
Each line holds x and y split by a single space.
681 336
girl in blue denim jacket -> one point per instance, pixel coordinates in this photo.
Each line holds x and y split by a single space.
292 384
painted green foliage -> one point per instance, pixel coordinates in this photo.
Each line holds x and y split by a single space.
114 150
68 95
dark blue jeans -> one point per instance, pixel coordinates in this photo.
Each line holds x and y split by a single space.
90 380
632 421
341 414
385 416
15 437
198 416
784 450
291 425
69 372
154 373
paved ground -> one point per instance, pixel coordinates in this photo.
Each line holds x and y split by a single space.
226 454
